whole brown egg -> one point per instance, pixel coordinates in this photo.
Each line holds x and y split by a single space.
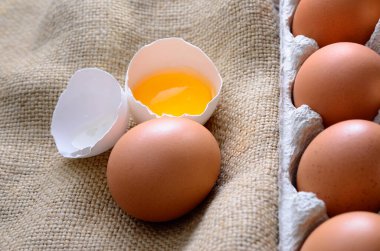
355 231
163 168
340 81
331 21
341 166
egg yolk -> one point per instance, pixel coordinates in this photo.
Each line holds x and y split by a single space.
174 93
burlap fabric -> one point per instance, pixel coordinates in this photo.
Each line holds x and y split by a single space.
48 202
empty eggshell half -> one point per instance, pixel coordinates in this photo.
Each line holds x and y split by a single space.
170 53
91 114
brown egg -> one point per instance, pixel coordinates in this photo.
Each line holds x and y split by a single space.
163 168
342 167
340 82
332 21
355 231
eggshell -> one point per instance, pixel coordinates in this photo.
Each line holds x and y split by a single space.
91 114
342 167
355 231
163 168
340 81
170 53
329 21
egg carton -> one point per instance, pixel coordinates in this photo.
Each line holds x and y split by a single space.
299 212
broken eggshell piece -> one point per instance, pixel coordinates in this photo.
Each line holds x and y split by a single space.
91 114
170 54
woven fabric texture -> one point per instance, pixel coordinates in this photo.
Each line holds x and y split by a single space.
48 202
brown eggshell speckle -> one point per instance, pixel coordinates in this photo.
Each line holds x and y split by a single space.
355 231
340 82
163 168
342 167
328 21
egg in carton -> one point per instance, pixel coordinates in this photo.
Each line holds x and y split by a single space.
299 212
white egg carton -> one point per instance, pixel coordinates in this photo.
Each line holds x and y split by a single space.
299 212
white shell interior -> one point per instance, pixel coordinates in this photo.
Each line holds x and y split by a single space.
164 54
299 212
91 114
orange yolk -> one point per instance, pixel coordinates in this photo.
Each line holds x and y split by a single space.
174 92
